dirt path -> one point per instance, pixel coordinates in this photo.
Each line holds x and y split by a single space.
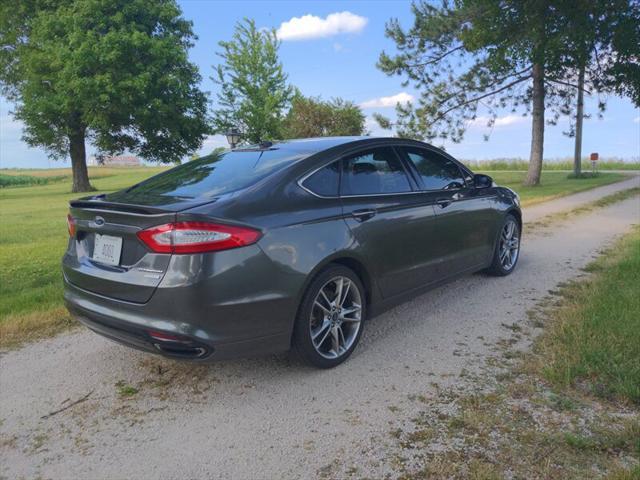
147 417
541 210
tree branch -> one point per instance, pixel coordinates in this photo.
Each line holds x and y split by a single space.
435 59
495 82
568 84
477 99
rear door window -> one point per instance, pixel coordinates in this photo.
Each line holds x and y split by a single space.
436 171
374 172
325 181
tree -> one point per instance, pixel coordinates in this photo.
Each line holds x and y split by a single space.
113 72
313 117
480 52
253 92
602 53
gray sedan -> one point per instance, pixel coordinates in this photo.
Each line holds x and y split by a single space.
274 246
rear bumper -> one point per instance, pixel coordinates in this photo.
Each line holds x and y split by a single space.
188 336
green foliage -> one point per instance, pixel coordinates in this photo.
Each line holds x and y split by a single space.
253 86
115 72
313 117
468 53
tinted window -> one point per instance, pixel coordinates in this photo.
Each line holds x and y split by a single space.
372 172
213 175
325 181
437 172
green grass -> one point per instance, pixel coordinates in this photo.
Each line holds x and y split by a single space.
594 338
552 185
33 238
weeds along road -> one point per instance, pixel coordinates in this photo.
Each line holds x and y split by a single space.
147 417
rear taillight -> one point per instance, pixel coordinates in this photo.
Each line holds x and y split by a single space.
197 237
71 225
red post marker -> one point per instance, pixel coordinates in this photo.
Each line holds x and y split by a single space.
594 162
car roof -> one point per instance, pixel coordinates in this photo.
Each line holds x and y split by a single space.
309 145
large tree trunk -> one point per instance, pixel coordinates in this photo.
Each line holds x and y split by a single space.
577 155
537 128
79 162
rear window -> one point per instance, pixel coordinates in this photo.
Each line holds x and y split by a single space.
325 181
215 175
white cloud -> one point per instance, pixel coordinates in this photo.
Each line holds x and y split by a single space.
384 102
311 26
636 120
499 121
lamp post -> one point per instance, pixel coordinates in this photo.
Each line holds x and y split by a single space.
233 137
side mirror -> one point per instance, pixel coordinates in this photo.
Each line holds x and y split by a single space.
482 181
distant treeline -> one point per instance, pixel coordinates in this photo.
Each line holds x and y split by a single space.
551 164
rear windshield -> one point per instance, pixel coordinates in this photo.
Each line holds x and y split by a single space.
215 174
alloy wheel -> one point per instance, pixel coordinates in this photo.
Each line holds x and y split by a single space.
509 245
336 316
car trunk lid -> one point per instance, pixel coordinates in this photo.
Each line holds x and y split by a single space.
128 271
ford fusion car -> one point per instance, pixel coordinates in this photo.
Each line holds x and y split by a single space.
278 246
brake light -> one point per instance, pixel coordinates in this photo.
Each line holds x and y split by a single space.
71 225
197 237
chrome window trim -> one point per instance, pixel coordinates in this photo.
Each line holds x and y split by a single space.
353 151
317 195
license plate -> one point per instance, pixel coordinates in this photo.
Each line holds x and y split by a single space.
107 249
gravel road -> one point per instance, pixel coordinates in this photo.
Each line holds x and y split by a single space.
146 417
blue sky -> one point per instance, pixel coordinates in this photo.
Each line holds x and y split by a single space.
330 49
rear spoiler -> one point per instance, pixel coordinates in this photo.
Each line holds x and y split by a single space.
98 203
118 207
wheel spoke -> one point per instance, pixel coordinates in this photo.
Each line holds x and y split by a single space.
355 308
335 341
346 286
315 334
325 328
339 286
324 296
341 341
321 307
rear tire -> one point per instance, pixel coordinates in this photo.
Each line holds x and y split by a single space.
330 318
507 250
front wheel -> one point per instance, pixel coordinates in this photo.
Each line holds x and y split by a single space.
329 322
507 249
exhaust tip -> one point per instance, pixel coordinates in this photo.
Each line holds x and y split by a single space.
177 345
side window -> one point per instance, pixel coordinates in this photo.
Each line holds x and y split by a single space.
437 172
325 181
374 171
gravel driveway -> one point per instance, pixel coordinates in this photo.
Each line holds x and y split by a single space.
146 417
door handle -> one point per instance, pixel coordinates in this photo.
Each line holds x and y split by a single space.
444 202
364 214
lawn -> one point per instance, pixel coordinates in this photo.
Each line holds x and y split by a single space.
33 238
594 338
554 184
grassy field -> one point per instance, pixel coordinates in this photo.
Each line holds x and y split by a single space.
594 338
553 184
555 165
33 238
